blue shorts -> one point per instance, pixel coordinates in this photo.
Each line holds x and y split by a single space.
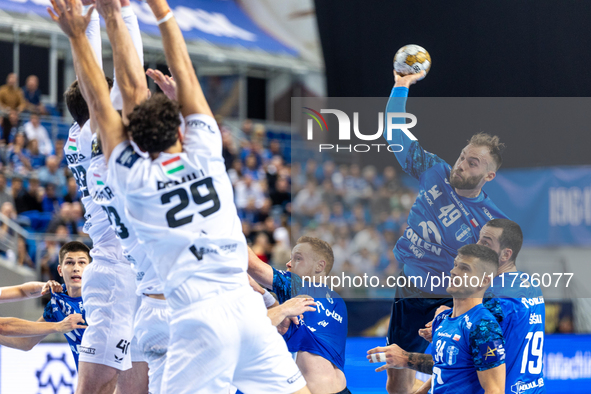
411 310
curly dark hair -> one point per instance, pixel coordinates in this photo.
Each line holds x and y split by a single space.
154 124
76 103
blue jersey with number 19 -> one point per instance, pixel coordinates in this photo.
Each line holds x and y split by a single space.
181 206
440 221
463 345
519 309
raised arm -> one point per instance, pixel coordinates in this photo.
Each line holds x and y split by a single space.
68 14
398 358
189 93
129 71
412 158
259 270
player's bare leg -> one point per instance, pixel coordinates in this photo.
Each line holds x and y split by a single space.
134 380
96 379
400 381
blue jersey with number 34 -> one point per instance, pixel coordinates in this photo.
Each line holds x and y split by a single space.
440 222
463 345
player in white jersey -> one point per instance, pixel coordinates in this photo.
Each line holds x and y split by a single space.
152 318
180 203
105 349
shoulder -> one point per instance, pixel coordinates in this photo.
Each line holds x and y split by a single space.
441 317
124 155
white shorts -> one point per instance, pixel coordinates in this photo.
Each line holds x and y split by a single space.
108 295
225 340
137 355
152 334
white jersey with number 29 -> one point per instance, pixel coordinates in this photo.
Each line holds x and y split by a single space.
181 206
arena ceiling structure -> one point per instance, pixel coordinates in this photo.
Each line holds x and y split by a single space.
221 38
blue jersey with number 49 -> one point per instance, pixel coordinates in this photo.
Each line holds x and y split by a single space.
440 222
58 308
519 309
462 346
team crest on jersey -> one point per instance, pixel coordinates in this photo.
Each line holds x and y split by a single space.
463 233
96 148
128 157
200 124
452 352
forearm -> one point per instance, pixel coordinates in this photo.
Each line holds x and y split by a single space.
129 71
21 292
189 93
13 327
277 315
425 387
397 104
419 362
90 76
20 343
259 270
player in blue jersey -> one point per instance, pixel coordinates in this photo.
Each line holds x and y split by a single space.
448 213
319 339
66 306
518 307
468 354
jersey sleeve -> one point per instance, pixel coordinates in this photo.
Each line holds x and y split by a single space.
413 158
487 345
286 285
203 136
121 161
48 314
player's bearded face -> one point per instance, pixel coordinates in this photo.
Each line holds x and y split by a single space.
462 181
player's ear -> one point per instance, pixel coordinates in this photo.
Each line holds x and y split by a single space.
490 176
59 270
181 136
320 265
506 255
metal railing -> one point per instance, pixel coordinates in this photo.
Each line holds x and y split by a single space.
9 242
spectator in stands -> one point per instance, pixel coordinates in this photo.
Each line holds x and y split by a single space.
34 130
72 194
51 202
261 246
50 253
59 152
247 128
307 201
11 97
7 209
78 218
5 193
249 196
391 181
67 217
22 254
32 95
29 200
252 168
281 197
228 150
10 127
36 158
19 160
16 191
275 149
51 173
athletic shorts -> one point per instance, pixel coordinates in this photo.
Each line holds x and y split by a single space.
108 294
227 340
152 334
411 310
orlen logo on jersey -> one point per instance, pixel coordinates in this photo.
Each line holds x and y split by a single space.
345 130
522 387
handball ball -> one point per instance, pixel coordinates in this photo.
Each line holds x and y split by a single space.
412 59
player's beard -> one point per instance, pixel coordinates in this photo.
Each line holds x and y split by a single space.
470 183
